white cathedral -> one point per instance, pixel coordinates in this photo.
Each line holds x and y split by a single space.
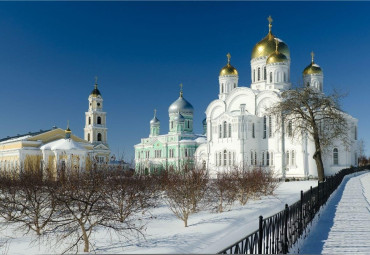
239 131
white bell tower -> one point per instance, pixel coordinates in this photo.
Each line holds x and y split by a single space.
95 130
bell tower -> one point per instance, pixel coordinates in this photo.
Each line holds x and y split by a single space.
95 130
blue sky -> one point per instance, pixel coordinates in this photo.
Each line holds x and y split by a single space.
141 51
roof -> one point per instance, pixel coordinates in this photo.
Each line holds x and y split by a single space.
19 137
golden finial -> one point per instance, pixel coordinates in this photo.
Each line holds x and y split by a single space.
270 22
180 89
312 56
68 130
228 58
276 45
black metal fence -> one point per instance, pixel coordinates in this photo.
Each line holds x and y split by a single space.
279 232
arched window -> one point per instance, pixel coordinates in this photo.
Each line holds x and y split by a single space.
270 126
263 159
229 129
220 131
335 156
308 84
264 73
255 158
88 137
99 137
284 77
229 158
234 85
99 120
293 158
287 158
267 158
254 75
253 133
89 120
270 77
225 157
219 162
225 129
222 88
259 74
251 157
188 122
264 127
290 129
216 159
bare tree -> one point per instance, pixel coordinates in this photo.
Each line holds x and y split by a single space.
310 112
223 191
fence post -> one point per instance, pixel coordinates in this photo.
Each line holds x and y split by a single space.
301 215
285 246
260 235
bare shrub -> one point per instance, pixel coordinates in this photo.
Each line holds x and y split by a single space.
223 191
185 190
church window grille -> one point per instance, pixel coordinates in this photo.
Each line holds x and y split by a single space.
225 157
220 131
290 129
270 126
335 156
254 75
259 74
229 130
89 120
225 129
99 137
253 131
287 158
88 137
267 158
264 73
99 120
270 77
255 158
264 127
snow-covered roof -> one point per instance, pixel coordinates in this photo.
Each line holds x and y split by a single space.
23 136
201 139
63 144
19 138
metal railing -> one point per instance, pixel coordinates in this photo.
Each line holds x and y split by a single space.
279 232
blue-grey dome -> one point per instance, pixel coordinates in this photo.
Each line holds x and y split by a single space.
154 121
181 106
178 117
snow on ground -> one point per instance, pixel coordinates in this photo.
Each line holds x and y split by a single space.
344 223
208 232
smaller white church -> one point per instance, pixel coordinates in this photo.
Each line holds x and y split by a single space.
240 132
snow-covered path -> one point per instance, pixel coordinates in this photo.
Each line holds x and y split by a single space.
344 225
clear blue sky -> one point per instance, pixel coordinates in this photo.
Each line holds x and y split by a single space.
141 51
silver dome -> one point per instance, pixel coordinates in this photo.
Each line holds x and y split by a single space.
181 106
178 117
154 121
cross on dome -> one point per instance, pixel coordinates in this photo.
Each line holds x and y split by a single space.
270 20
181 90
228 58
312 56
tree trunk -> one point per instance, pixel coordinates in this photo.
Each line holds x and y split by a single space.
85 238
318 159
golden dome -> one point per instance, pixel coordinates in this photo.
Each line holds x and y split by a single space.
266 46
276 57
312 68
228 69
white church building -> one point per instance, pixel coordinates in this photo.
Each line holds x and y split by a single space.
239 131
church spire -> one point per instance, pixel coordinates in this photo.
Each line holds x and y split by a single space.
181 90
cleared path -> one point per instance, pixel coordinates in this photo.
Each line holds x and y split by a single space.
344 226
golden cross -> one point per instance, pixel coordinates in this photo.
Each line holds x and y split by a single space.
228 58
270 22
312 56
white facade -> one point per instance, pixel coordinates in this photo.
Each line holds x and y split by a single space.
239 132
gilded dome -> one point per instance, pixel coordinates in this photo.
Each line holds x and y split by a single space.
266 47
228 69
95 92
276 57
312 68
